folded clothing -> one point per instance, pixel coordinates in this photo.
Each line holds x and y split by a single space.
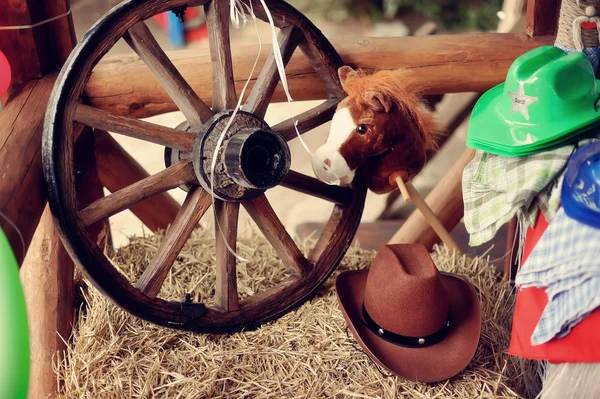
565 261
581 345
496 188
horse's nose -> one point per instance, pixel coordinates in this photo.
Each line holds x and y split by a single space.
327 162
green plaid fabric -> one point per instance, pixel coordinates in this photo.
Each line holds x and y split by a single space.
548 201
496 188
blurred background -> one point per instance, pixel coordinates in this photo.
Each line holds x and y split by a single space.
302 215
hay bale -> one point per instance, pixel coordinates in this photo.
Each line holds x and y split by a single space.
305 354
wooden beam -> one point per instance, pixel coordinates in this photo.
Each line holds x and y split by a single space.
542 17
444 64
445 200
117 170
89 187
22 191
47 279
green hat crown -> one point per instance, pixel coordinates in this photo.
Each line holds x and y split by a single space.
547 94
547 84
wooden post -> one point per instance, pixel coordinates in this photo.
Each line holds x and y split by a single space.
22 191
47 279
445 200
89 187
117 169
410 194
542 17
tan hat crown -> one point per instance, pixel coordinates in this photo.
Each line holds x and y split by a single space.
406 297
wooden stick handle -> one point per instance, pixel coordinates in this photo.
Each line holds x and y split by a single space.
399 178
409 193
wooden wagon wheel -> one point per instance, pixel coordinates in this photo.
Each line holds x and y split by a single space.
238 180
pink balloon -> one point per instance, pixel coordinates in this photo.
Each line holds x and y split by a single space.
4 74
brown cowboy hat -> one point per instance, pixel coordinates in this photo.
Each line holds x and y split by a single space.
408 317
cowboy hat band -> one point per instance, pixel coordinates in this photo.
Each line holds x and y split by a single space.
403 340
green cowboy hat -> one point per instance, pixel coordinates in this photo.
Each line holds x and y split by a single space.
548 99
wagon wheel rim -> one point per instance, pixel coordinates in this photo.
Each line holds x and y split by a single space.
140 298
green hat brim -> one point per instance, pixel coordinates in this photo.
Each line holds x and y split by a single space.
489 131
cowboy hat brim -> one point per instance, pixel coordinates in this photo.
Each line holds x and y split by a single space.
492 131
433 363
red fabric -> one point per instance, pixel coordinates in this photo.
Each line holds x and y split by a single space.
581 345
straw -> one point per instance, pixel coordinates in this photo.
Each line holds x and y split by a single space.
305 354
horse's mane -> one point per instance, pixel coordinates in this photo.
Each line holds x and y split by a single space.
401 87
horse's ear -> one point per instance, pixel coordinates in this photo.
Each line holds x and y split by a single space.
345 72
378 102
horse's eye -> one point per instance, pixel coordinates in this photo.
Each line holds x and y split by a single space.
361 129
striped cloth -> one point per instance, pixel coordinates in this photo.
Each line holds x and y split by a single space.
566 261
496 188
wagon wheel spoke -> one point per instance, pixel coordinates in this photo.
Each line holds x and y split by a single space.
265 84
226 214
194 206
217 20
172 177
311 186
98 119
308 120
140 39
269 224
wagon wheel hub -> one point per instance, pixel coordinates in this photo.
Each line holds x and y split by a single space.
251 158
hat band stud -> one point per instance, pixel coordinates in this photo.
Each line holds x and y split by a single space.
403 340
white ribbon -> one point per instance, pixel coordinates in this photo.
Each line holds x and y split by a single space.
17 27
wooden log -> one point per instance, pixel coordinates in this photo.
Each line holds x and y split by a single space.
89 187
60 33
117 170
22 191
444 64
445 200
47 279
542 17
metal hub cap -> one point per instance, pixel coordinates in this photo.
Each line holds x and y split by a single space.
251 158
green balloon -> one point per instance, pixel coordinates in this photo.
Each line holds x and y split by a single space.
14 334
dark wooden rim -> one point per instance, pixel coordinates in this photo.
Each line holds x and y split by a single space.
58 144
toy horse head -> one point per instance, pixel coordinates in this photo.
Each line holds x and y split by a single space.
382 125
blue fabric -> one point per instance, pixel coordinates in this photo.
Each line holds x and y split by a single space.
593 54
565 261
566 309
581 189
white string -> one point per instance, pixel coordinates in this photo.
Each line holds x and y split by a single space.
16 229
234 4
17 27
312 156
277 52
238 19
237 14
284 83
577 32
